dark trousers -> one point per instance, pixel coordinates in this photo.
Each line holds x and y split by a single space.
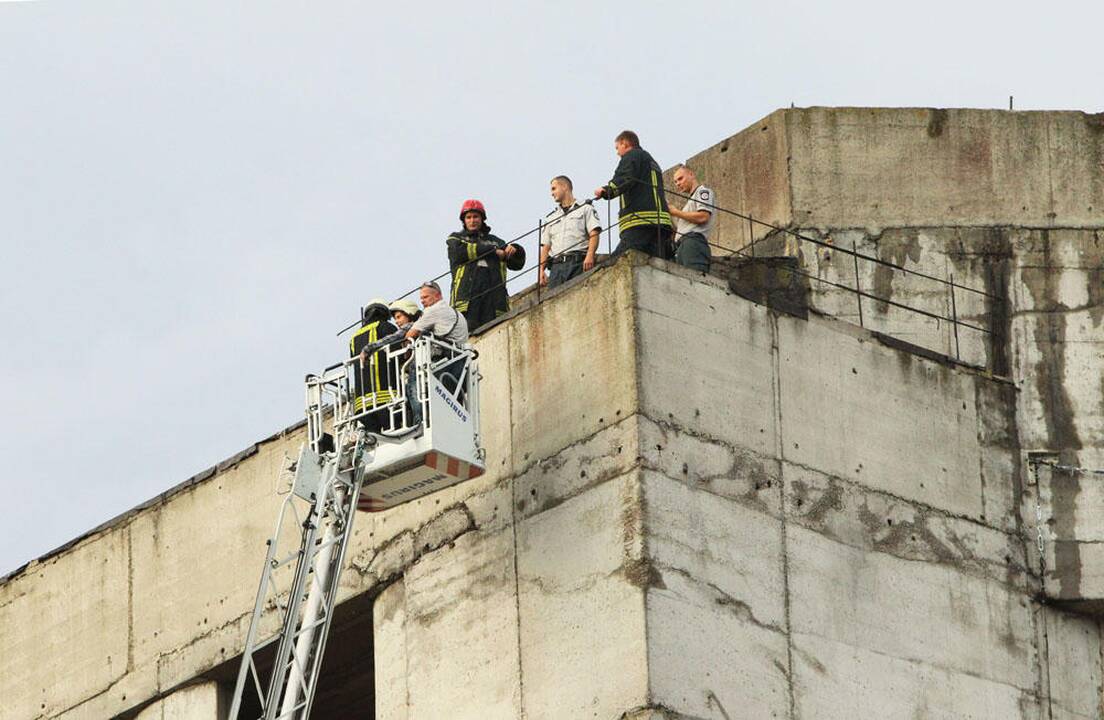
376 422
692 251
652 239
561 272
487 302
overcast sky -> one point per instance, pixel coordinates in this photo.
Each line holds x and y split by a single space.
195 196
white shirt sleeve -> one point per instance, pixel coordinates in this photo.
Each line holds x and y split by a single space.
592 221
703 199
428 320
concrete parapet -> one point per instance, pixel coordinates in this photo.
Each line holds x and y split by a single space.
838 168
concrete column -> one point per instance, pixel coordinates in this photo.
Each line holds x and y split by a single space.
389 625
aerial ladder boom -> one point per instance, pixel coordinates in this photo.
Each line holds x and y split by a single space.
343 467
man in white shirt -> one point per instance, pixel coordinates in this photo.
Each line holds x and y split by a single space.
444 323
693 222
569 236
438 319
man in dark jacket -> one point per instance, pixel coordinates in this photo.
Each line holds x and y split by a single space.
478 262
374 379
643 220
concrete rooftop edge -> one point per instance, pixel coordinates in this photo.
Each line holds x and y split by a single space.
529 300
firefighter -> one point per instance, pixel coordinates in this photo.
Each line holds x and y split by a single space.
643 220
404 313
478 261
374 378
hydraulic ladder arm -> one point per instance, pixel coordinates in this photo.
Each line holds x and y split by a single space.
337 472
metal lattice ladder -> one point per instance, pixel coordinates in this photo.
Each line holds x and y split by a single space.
341 468
330 483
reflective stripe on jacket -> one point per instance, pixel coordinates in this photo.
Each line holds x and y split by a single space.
638 181
374 383
476 268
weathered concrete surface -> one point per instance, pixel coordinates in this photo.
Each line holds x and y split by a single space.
903 587
1058 340
695 508
567 381
716 615
1047 332
461 630
392 664
68 616
581 605
753 168
1010 204
896 423
144 606
205 701
1068 504
910 167
1073 675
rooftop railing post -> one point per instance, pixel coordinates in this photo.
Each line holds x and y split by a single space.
540 270
609 230
954 318
858 290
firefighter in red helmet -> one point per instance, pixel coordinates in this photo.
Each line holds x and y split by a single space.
478 261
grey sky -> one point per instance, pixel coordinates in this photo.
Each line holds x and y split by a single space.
195 196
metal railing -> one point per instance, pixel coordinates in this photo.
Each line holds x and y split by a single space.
349 391
951 287
949 282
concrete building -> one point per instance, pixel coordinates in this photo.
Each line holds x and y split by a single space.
697 506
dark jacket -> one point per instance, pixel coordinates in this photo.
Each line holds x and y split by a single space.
477 271
638 181
375 383
394 338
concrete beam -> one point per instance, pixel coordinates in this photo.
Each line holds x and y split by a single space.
205 701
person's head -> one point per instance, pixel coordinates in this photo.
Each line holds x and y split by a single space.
473 215
626 140
685 179
374 311
429 294
404 311
562 190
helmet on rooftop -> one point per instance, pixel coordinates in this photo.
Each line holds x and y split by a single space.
470 205
409 307
376 309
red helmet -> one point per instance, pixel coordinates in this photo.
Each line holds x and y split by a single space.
475 205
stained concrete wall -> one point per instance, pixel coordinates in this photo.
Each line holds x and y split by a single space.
162 596
693 508
878 168
859 534
1007 203
1062 508
143 606
203 701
